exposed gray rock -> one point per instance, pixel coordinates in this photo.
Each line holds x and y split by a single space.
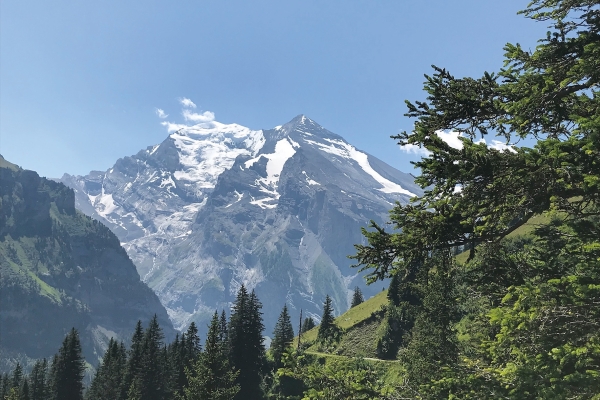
215 206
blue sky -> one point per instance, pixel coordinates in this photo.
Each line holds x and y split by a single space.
80 81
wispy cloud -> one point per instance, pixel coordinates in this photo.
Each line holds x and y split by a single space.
172 127
187 102
453 139
206 116
501 146
414 149
202 119
161 113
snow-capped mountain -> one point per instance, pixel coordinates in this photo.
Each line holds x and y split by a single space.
217 205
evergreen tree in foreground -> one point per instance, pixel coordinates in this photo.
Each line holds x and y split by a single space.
152 379
67 370
109 377
223 330
134 361
17 377
4 386
24 392
328 330
357 297
38 381
537 337
211 377
282 336
247 351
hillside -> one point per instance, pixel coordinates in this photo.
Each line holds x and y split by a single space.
361 324
61 269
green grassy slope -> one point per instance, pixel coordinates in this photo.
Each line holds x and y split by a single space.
360 324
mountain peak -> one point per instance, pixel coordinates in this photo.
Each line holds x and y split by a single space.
305 125
302 120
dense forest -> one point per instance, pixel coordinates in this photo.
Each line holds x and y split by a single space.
232 364
495 270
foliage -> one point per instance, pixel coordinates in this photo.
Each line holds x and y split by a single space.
283 335
356 379
109 376
529 326
66 372
328 330
246 348
308 324
211 377
357 297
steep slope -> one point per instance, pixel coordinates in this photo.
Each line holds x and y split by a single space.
215 206
62 269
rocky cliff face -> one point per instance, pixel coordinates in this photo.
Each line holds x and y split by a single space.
216 205
61 269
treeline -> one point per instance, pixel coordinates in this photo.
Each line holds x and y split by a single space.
231 364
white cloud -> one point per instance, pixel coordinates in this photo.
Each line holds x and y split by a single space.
187 102
414 149
206 116
453 140
501 146
161 113
172 127
202 118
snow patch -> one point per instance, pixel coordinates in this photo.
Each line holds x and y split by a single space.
105 204
347 151
239 197
310 181
206 150
167 182
284 150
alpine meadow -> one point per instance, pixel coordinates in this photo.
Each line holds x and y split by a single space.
260 276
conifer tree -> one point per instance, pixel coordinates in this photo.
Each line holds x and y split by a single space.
543 342
67 369
432 340
328 329
109 377
247 350
134 361
192 343
24 392
211 377
393 293
223 330
4 386
403 304
308 324
357 297
177 355
151 378
282 336
38 380
17 377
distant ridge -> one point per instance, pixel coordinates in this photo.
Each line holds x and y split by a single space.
60 269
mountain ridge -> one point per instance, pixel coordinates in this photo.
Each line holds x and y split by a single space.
61 269
217 205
